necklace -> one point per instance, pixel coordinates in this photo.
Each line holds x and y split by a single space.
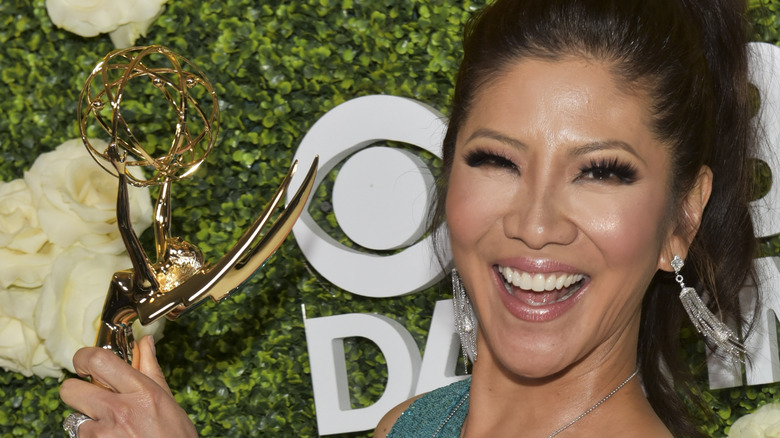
590 409
452 412
578 418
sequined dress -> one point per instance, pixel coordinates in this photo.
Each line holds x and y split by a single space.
440 413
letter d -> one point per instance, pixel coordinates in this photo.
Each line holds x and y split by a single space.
325 340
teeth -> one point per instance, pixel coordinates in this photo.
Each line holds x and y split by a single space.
550 283
526 282
538 282
512 275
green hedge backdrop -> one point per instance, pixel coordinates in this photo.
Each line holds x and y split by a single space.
241 368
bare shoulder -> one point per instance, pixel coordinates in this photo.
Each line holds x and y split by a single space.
387 422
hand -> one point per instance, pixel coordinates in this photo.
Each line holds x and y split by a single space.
137 403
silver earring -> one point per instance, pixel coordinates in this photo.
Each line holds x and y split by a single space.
705 322
465 319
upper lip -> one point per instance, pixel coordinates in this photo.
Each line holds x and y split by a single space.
539 266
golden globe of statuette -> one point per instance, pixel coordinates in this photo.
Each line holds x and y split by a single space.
150 85
153 87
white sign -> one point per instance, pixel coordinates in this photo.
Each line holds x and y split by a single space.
346 129
380 199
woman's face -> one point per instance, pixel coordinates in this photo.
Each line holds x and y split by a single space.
558 209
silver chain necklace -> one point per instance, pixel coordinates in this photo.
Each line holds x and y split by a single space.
579 417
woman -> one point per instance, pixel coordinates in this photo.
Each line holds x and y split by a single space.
586 139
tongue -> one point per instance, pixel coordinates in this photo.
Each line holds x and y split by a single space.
540 298
536 298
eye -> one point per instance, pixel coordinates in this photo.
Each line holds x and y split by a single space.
480 157
610 171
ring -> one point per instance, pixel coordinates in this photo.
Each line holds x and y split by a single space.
72 423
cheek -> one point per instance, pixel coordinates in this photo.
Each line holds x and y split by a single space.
626 228
473 205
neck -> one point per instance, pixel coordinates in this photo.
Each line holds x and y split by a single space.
502 404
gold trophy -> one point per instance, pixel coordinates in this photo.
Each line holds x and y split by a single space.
178 279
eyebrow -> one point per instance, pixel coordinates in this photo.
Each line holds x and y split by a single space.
489 133
605 145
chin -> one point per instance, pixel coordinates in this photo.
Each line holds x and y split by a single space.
528 360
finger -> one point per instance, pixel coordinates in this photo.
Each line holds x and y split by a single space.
149 365
84 397
135 354
106 369
89 428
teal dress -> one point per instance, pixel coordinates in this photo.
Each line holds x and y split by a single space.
438 414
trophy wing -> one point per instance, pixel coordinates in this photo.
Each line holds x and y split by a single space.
246 256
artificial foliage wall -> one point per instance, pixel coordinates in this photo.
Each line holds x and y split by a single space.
241 368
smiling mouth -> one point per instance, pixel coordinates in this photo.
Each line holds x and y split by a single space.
537 289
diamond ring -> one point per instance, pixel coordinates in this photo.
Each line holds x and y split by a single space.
72 423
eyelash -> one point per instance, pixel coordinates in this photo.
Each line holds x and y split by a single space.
599 170
481 157
609 169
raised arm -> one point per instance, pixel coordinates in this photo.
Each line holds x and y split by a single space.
144 281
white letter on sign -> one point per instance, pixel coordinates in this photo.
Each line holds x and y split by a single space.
325 341
379 184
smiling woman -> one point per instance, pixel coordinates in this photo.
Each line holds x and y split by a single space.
591 143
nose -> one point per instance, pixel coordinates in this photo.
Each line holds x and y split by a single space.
539 218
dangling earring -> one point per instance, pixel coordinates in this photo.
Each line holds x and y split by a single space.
705 322
465 320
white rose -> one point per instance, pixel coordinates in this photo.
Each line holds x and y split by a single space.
88 18
67 316
26 270
763 423
24 250
76 199
21 350
125 35
19 228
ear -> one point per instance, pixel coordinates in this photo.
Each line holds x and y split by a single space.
685 225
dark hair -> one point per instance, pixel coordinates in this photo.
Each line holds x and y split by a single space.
690 57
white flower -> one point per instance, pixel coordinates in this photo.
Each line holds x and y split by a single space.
21 350
763 423
76 199
19 228
26 270
126 18
125 35
68 312
24 247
